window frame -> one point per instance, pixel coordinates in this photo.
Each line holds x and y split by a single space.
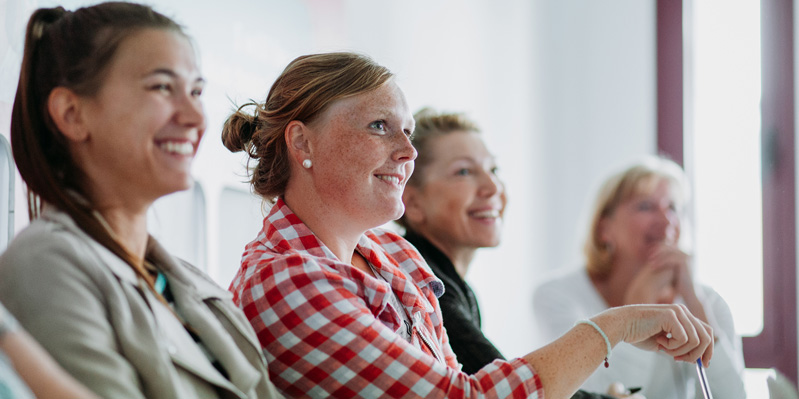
776 345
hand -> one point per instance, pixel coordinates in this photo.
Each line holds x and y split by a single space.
618 390
671 257
654 283
668 328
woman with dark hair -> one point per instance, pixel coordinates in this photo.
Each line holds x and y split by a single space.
346 310
107 118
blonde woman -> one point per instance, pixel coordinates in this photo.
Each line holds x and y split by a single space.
633 256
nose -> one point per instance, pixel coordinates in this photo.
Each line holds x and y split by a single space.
490 184
667 217
405 151
190 112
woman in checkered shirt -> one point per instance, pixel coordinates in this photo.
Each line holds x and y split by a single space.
343 309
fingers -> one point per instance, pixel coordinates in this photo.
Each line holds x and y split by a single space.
648 284
694 338
668 256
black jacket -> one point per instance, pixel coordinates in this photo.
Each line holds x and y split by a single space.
462 314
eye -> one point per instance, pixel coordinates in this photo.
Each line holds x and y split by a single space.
197 92
645 206
463 172
495 170
378 125
408 133
165 87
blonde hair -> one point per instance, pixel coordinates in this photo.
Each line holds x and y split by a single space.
642 177
429 125
304 90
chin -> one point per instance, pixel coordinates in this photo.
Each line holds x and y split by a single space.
490 244
177 187
396 212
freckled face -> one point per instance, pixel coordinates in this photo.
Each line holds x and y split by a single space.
362 155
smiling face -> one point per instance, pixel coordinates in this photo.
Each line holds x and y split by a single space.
460 200
144 125
642 223
362 156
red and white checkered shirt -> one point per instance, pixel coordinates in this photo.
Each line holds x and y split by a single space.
329 330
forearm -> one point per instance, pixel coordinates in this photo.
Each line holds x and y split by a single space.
42 375
567 362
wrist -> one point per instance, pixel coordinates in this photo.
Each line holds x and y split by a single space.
611 321
604 336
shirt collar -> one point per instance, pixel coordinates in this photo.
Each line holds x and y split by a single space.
285 232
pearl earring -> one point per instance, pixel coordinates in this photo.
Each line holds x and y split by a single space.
306 164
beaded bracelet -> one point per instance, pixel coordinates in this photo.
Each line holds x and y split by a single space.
602 333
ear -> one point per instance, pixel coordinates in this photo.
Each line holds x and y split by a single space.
414 211
297 141
65 110
603 230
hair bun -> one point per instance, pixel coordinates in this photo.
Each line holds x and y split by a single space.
240 128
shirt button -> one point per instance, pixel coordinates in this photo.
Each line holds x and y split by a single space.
172 349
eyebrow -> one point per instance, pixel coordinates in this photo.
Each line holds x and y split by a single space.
170 73
473 160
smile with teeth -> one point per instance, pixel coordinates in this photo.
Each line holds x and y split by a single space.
486 214
175 147
390 179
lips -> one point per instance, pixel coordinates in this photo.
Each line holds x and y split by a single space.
485 214
395 179
660 236
183 146
389 178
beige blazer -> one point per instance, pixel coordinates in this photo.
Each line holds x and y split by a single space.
89 310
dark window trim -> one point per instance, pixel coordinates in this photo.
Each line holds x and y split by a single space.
670 79
776 345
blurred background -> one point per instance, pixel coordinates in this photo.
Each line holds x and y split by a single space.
566 91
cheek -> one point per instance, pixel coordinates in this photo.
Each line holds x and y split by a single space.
409 168
455 200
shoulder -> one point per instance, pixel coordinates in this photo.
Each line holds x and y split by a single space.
45 247
711 299
53 260
271 275
393 244
408 258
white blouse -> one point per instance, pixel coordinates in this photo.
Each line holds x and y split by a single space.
561 301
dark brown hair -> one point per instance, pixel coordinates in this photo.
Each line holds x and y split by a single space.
71 50
304 90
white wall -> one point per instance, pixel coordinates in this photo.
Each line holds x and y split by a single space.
564 91
596 109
